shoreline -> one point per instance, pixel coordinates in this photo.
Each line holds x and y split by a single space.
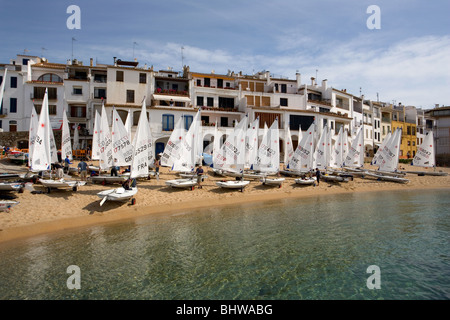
9 235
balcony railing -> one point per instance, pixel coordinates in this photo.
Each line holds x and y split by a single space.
171 92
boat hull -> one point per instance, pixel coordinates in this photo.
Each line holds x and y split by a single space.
6 186
233 184
119 194
307 181
108 179
182 183
272 181
6 205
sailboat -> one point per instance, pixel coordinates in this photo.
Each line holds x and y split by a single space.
355 155
106 157
268 157
142 154
425 157
388 160
231 157
302 160
184 155
42 156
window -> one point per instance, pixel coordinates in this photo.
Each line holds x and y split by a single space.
1 80
219 83
200 101
119 76
167 122
227 103
99 93
25 61
52 110
175 86
303 121
283 88
409 143
38 93
142 78
188 121
414 143
78 111
227 85
283 102
205 119
207 82
199 82
100 78
77 90
210 102
12 126
13 82
50 77
130 96
223 121
13 105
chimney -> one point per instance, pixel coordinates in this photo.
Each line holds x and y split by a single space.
115 61
324 84
313 81
92 62
298 77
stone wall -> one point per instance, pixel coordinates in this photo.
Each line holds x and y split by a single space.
19 139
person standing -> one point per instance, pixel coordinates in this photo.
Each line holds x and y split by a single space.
114 169
67 164
59 170
318 175
157 165
199 173
82 170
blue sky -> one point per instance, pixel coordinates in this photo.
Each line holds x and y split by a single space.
407 60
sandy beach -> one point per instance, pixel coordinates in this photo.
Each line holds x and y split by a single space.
60 210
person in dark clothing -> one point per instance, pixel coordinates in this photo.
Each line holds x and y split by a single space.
318 175
199 173
114 171
127 184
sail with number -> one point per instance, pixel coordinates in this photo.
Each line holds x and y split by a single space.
231 156
41 158
173 146
251 143
189 148
322 153
96 137
121 141
106 156
388 160
141 146
34 123
268 159
288 147
355 155
377 154
302 160
66 145
337 159
425 152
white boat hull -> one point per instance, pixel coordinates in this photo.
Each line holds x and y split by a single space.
233 184
8 186
388 178
307 181
182 183
6 205
61 184
118 194
272 181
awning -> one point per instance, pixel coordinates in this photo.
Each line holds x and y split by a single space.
174 98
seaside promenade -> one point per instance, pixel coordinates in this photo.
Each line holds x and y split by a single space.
60 210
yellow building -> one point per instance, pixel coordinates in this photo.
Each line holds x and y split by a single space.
400 119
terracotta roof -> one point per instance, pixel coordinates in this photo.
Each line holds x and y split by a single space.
49 65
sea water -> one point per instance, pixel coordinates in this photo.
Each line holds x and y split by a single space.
310 248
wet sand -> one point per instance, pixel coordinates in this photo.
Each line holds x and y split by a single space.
60 210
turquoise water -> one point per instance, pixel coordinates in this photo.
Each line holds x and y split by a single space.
315 248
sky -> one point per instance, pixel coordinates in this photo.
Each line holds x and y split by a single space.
406 60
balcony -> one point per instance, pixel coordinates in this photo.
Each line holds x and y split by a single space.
171 92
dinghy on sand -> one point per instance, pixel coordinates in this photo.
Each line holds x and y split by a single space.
232 184
272 181
61 184
6 205
119 194
306 181
182 183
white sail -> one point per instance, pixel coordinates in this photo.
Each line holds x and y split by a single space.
106 157
121 141
66 145
216 148
34 123
302 160
41 159
189 148
231 156
337 159
128 123
76 138
2 89
268 159
96 137
251 146
388 160
288 147
172 149
355 155
385 140
321 154
425 152
141 146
